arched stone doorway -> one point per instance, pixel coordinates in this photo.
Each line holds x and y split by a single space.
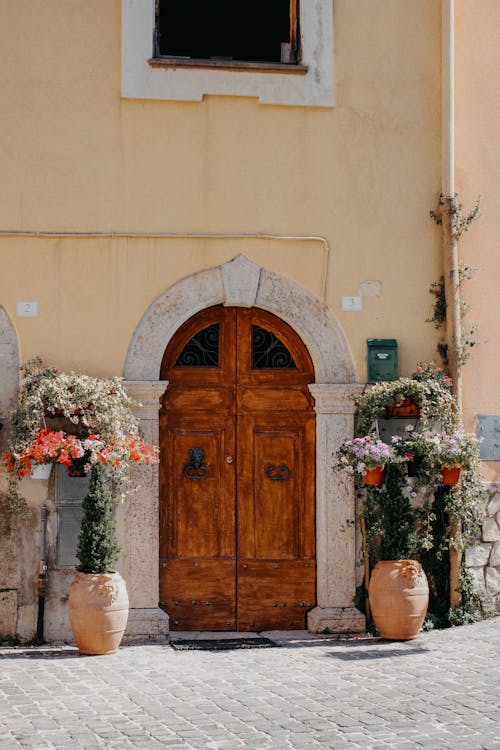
242 283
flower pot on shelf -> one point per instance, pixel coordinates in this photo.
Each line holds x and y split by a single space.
399 595
41 471
98 612
450 475
407 408
374 476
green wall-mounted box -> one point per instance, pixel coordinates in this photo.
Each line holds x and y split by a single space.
382 360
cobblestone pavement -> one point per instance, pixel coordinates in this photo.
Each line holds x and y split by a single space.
439 691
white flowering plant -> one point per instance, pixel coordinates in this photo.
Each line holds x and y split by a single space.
94 423
429 451
456 449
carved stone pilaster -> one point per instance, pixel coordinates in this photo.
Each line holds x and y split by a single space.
137 523
335 512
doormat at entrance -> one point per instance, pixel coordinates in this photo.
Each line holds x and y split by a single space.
222 644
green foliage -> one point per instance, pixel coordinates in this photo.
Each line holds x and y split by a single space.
470 608
409 515
435 560
97 548
469 333
97 410
439 305
434 399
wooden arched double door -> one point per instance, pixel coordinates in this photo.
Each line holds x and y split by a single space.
237 476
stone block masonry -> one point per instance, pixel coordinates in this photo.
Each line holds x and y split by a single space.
483 559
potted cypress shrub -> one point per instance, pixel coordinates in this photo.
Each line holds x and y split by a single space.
98 600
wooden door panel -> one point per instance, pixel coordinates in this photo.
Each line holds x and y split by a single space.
199 595
200 400
276 486
276 571
275 595
274 399
200 499
268 514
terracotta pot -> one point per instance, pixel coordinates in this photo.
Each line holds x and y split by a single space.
399 595
404 409
98 611
374 476
450 474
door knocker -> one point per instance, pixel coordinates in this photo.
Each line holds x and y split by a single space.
195 468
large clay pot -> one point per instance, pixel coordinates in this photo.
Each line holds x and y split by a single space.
98 611
399 595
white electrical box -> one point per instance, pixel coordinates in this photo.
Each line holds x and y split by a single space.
352 303
27 309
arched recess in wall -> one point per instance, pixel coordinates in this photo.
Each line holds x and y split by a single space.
9 364
241 282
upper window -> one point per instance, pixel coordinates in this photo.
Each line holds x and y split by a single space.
247 30
280 51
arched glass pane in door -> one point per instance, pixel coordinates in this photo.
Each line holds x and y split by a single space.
202 350
268 352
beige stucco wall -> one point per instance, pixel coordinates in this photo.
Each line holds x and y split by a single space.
477 169
360 177
78 157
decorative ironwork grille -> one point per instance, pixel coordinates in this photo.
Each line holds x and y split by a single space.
268 351
202 350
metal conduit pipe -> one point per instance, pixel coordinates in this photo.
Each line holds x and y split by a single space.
39 234
450 257
449 201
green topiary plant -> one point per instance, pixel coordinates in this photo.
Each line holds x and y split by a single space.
97 548
390 520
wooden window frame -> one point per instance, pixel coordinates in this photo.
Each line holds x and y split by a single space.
293 66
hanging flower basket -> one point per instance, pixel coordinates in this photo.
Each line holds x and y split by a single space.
75 420
365 457
450 475
374 476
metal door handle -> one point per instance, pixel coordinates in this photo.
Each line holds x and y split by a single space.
279 474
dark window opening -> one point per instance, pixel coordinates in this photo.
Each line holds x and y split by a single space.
241 30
